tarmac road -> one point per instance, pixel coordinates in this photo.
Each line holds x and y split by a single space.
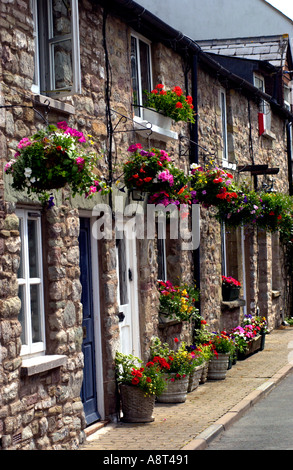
268 425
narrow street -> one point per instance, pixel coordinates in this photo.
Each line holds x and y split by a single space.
268 425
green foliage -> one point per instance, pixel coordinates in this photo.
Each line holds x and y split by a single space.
149 378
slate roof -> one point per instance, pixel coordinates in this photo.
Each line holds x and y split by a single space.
272 49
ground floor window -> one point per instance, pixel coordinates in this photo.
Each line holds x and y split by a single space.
30 283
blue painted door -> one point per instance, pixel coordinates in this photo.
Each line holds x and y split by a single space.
89 386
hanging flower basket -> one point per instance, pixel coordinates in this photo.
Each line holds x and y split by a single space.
53 158
152 171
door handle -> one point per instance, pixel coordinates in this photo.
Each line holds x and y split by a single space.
121 316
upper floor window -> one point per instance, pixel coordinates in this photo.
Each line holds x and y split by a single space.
56 33
265 108
30 284
141 73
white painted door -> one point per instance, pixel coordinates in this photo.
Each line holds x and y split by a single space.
127 290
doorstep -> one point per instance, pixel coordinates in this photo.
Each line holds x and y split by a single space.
95 427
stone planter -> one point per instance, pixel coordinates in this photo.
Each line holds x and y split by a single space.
252 347
218 367
157 119
194 378
136 408
204 372
175 391
230 293
163 318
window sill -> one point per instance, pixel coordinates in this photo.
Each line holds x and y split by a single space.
36 365
233 304
56 105
269 135
142 127
276 294
229 166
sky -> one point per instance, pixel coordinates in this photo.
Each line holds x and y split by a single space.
285 6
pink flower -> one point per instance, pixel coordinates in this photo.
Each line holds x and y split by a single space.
80 163
166 176
134 147
25 142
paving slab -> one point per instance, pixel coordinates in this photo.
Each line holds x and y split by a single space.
208 410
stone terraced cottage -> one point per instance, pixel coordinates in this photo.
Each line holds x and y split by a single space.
73 293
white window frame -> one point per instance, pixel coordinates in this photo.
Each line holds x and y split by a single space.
138 38
29 348
265 108
161 246
44 50
223 107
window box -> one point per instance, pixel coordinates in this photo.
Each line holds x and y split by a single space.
144 127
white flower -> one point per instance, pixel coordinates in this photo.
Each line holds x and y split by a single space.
193 166
33 180
27 172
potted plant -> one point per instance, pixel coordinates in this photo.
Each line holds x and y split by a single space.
52 158
202 344
152 171
177 302
138 387
230 288
176 367
198 362
171 103
222 345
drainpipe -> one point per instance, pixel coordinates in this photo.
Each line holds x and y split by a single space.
194 159
289 154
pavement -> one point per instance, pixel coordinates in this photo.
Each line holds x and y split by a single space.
208 411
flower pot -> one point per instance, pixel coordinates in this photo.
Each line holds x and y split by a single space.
230 293
136 407
218 367
204 372
166 318
176 389
157 119
194 378
262 342
252 347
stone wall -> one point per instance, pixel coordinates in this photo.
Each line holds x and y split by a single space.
245 146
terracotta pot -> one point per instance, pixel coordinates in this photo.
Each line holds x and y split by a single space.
136 407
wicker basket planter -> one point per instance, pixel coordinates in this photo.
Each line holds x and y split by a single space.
136 407
175 391
194 378
218 366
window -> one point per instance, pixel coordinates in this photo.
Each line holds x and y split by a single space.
30 283
140 71
56 33
223 106
161 251
265 109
